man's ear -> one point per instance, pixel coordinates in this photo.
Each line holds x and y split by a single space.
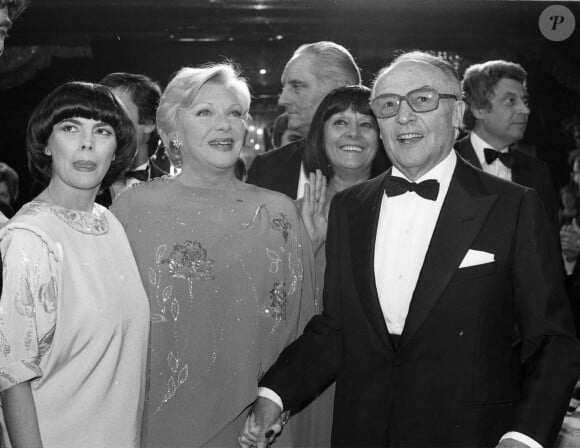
479 112
458 112
47 151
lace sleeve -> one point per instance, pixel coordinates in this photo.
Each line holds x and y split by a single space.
27 305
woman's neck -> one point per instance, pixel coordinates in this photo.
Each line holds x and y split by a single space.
209 179
345 179
67 197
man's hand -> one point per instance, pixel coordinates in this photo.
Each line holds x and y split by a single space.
511 443
262 425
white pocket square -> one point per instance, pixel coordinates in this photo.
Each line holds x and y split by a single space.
476 257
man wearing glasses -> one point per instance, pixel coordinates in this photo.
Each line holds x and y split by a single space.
430 268
496 116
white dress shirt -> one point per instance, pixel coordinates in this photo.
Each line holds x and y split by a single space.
406 224
497 168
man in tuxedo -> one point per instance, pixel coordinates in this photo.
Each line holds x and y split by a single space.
139 95
311 73
430 268
496 117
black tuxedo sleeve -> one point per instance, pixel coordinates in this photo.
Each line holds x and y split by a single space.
550 352
253 176
309 364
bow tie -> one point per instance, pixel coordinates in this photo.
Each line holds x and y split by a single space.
492 154
428 189
141 175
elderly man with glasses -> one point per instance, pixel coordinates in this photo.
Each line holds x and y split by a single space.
431 267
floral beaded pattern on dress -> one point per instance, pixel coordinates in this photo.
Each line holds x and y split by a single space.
188 261
32 293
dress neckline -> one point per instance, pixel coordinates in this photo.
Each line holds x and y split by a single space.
92 222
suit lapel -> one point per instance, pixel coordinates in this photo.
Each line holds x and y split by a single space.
363 223
462 215
465 149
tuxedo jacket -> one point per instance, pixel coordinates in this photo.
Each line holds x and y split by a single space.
526 170
279 170
455 379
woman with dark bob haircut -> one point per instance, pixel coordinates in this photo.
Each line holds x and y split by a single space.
341 148
79 99
74 317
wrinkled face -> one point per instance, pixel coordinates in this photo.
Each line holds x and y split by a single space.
5 196
212 129
5 25
351 140
417 142
505 121
82 150
142 131
302 92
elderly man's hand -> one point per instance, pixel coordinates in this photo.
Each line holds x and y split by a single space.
263 424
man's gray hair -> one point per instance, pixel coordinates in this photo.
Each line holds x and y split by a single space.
332 62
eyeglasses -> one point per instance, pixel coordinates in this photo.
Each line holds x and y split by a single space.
387 105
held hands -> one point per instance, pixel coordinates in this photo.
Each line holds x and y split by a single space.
314 209
570 241
263 424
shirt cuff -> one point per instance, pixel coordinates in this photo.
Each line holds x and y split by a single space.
270 394
521 438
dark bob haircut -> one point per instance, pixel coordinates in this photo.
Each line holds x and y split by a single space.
82 100
339 100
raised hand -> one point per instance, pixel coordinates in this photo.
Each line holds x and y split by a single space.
314 209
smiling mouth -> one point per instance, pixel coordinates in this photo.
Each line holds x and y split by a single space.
410 137
222 144
85 165
351 148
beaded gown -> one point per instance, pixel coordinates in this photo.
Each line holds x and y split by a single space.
74 320
229 275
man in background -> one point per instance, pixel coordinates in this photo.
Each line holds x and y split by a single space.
496 117
9 10
140 97
311 73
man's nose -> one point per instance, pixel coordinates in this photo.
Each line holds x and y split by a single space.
283 99
405 113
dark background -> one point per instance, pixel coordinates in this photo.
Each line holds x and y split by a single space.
61 40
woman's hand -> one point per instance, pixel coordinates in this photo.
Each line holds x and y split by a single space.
314 209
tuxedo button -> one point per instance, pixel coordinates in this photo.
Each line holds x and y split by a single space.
397 361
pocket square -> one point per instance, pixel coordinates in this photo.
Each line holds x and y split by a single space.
475 258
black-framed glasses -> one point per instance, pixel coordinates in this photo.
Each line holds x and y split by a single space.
387 105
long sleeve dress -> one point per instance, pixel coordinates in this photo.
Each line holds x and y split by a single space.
74 321
229 275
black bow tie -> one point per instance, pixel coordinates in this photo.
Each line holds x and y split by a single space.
142 175
428 189
492 154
